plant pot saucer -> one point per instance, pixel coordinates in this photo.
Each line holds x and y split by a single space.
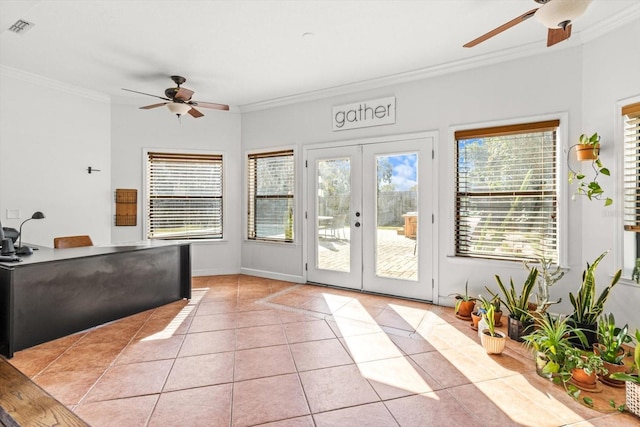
611 383
593 388
475 328
463 317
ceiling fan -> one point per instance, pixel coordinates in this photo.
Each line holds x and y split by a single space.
178 100
556 15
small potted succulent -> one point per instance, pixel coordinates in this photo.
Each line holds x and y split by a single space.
464 303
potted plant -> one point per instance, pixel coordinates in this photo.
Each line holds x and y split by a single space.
632 382
547 277
586 306
550 340
610 348
519 320
584 368
589 149
464 303
492 341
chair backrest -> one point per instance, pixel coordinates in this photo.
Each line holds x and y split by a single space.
71 242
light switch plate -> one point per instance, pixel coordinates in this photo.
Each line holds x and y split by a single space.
13 213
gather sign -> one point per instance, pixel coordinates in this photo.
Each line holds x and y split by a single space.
365 113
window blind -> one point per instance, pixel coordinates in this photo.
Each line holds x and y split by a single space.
184 196
631 115
271 196
506 192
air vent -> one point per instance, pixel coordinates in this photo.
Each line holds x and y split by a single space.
21 26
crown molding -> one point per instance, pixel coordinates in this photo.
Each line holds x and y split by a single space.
613 22
606 26
53 84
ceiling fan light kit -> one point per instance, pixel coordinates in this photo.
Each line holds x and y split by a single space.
178 108
556 15
560 13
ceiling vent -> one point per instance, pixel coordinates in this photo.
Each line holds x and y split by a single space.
21 26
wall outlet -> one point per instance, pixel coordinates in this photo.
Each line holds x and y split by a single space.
13 213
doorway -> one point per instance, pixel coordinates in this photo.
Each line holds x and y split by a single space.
369 216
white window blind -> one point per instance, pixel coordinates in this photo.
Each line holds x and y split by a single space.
271 202
506 192
184 196
631 115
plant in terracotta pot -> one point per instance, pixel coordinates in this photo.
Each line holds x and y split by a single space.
584 368
550 341
632 381
519 320
589 149
464 303
492 341
610 348
587 307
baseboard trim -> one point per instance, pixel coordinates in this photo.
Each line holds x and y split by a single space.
272 275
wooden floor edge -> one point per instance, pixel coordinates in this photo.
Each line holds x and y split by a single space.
26 403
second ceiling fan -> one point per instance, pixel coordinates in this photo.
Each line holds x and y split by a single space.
556 15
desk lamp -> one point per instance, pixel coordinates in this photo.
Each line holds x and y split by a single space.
26 250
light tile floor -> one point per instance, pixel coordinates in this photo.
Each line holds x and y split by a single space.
250 351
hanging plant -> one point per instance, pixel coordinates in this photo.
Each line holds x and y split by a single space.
591 189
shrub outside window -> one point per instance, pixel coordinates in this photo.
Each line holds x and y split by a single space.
506 201
184 196
270 178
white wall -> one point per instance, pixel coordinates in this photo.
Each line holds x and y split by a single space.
218 131
49 134
560 82
611 73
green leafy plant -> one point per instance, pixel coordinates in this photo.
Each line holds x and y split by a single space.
462 297
518 303
636 361
488 311
611 338
552 338
578 359
591 189
586 307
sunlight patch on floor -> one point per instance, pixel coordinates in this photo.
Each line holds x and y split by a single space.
376 356
175 323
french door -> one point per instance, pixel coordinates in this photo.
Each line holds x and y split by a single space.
369 217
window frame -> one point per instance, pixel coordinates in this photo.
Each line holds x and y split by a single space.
145 189
271 152
562 187
625 259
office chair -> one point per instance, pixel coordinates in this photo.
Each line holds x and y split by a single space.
72 242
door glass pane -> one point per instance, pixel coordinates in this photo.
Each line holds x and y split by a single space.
333 199
397 216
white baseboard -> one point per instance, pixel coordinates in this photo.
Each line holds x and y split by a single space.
272 275
214 272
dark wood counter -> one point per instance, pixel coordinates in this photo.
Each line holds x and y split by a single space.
56 292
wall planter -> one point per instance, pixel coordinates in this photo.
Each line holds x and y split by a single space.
587 152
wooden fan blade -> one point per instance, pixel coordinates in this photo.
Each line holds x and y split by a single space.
148 94
195 113
556 35
212 105
184 94
501 28
148 107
